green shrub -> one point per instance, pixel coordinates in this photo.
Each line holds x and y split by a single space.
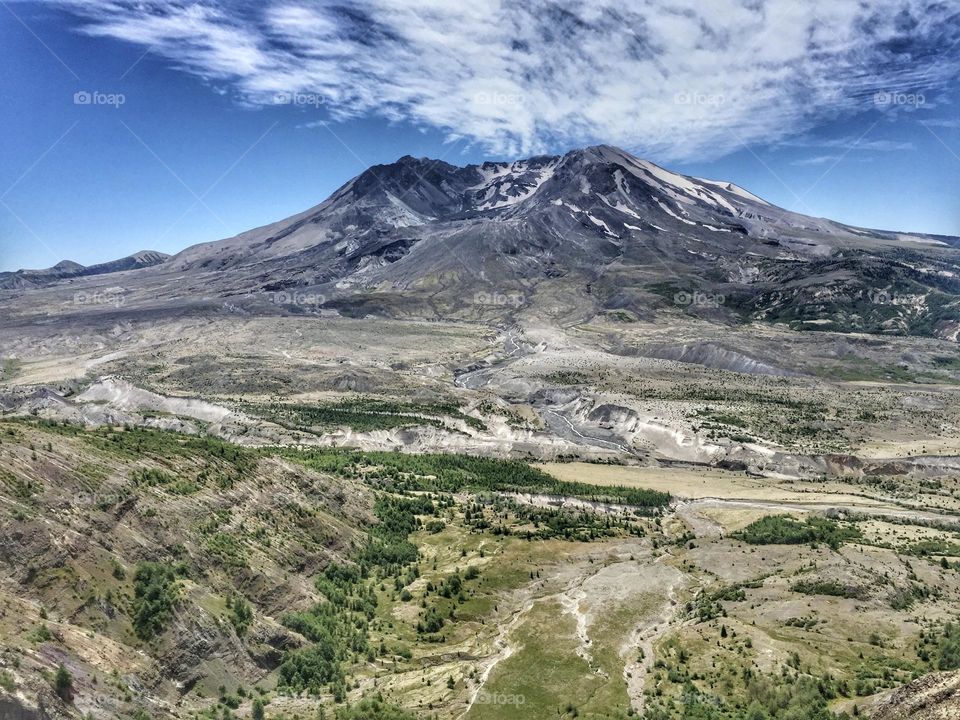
829 587
7 682
257 709
241 615
155 594
948 651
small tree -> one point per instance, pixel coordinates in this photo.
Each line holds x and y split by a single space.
258 709
241 615
63 684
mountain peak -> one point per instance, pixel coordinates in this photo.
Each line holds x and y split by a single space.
65 266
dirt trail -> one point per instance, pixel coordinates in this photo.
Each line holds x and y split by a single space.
702 527
571 601
503 650
637 652
630 576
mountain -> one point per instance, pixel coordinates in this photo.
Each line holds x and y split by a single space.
595 230
66 269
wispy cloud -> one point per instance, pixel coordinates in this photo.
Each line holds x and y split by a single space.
951 123
679 78
818 160
850 143
829 159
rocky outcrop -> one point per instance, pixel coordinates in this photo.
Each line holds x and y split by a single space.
932 697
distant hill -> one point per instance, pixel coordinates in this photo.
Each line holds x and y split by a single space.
22 279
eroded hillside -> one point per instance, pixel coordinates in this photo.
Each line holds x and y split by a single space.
151 574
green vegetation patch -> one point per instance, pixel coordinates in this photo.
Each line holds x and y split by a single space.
9 367
456 473
155 594
934 546
784 530
708 605
338 627
948 647
834 588
18 487
368 414
228 548
373 708
503 516
566 377
947 362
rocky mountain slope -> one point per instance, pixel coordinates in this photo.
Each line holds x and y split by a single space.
86 518
595 230
608 230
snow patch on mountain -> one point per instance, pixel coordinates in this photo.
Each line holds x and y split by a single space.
507 185
672 214
921 240
619 207
600 223
736 190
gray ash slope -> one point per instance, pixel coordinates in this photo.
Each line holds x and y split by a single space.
570 236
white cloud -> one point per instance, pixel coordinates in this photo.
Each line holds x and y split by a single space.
951 123
675 78
850 143
818 160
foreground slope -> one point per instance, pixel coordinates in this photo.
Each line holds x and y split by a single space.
152 575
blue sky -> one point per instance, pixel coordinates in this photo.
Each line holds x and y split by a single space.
208 118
